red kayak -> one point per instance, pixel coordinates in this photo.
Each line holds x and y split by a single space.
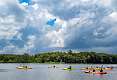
100 72
95 72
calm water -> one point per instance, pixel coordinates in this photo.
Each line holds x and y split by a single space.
42 72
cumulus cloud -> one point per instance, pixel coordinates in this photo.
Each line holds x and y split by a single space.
12 19
30 43
80 24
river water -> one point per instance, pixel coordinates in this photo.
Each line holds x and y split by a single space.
42 72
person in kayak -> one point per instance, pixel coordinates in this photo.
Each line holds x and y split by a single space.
87 68
54 66
93 70
69 67
101 70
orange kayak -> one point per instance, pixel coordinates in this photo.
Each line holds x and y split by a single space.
108 68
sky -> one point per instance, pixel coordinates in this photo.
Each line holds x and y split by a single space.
42 25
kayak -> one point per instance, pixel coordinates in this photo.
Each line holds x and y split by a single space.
21 67
103 68
108 68
88 72
100 72
95 72
68 69
96 68
53 67
84 69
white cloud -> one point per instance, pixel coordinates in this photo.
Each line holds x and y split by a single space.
113 16
30 43
35 6
9 27
83 24
106 2
55 38
11 21
24 4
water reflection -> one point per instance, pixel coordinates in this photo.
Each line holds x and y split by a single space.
3 70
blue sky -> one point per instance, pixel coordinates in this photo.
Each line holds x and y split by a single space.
38 25
26 1
51 22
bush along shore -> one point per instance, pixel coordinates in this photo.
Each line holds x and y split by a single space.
61 57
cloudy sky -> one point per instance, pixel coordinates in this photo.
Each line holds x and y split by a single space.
38 25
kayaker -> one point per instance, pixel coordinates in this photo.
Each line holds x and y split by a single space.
25 66
86 67
69 67
93 70
101 70
97 67
54 66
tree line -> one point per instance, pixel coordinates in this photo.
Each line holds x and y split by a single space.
61 57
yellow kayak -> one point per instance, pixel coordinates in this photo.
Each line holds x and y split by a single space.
23 67
68 69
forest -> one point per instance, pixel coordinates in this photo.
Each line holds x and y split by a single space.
61 57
